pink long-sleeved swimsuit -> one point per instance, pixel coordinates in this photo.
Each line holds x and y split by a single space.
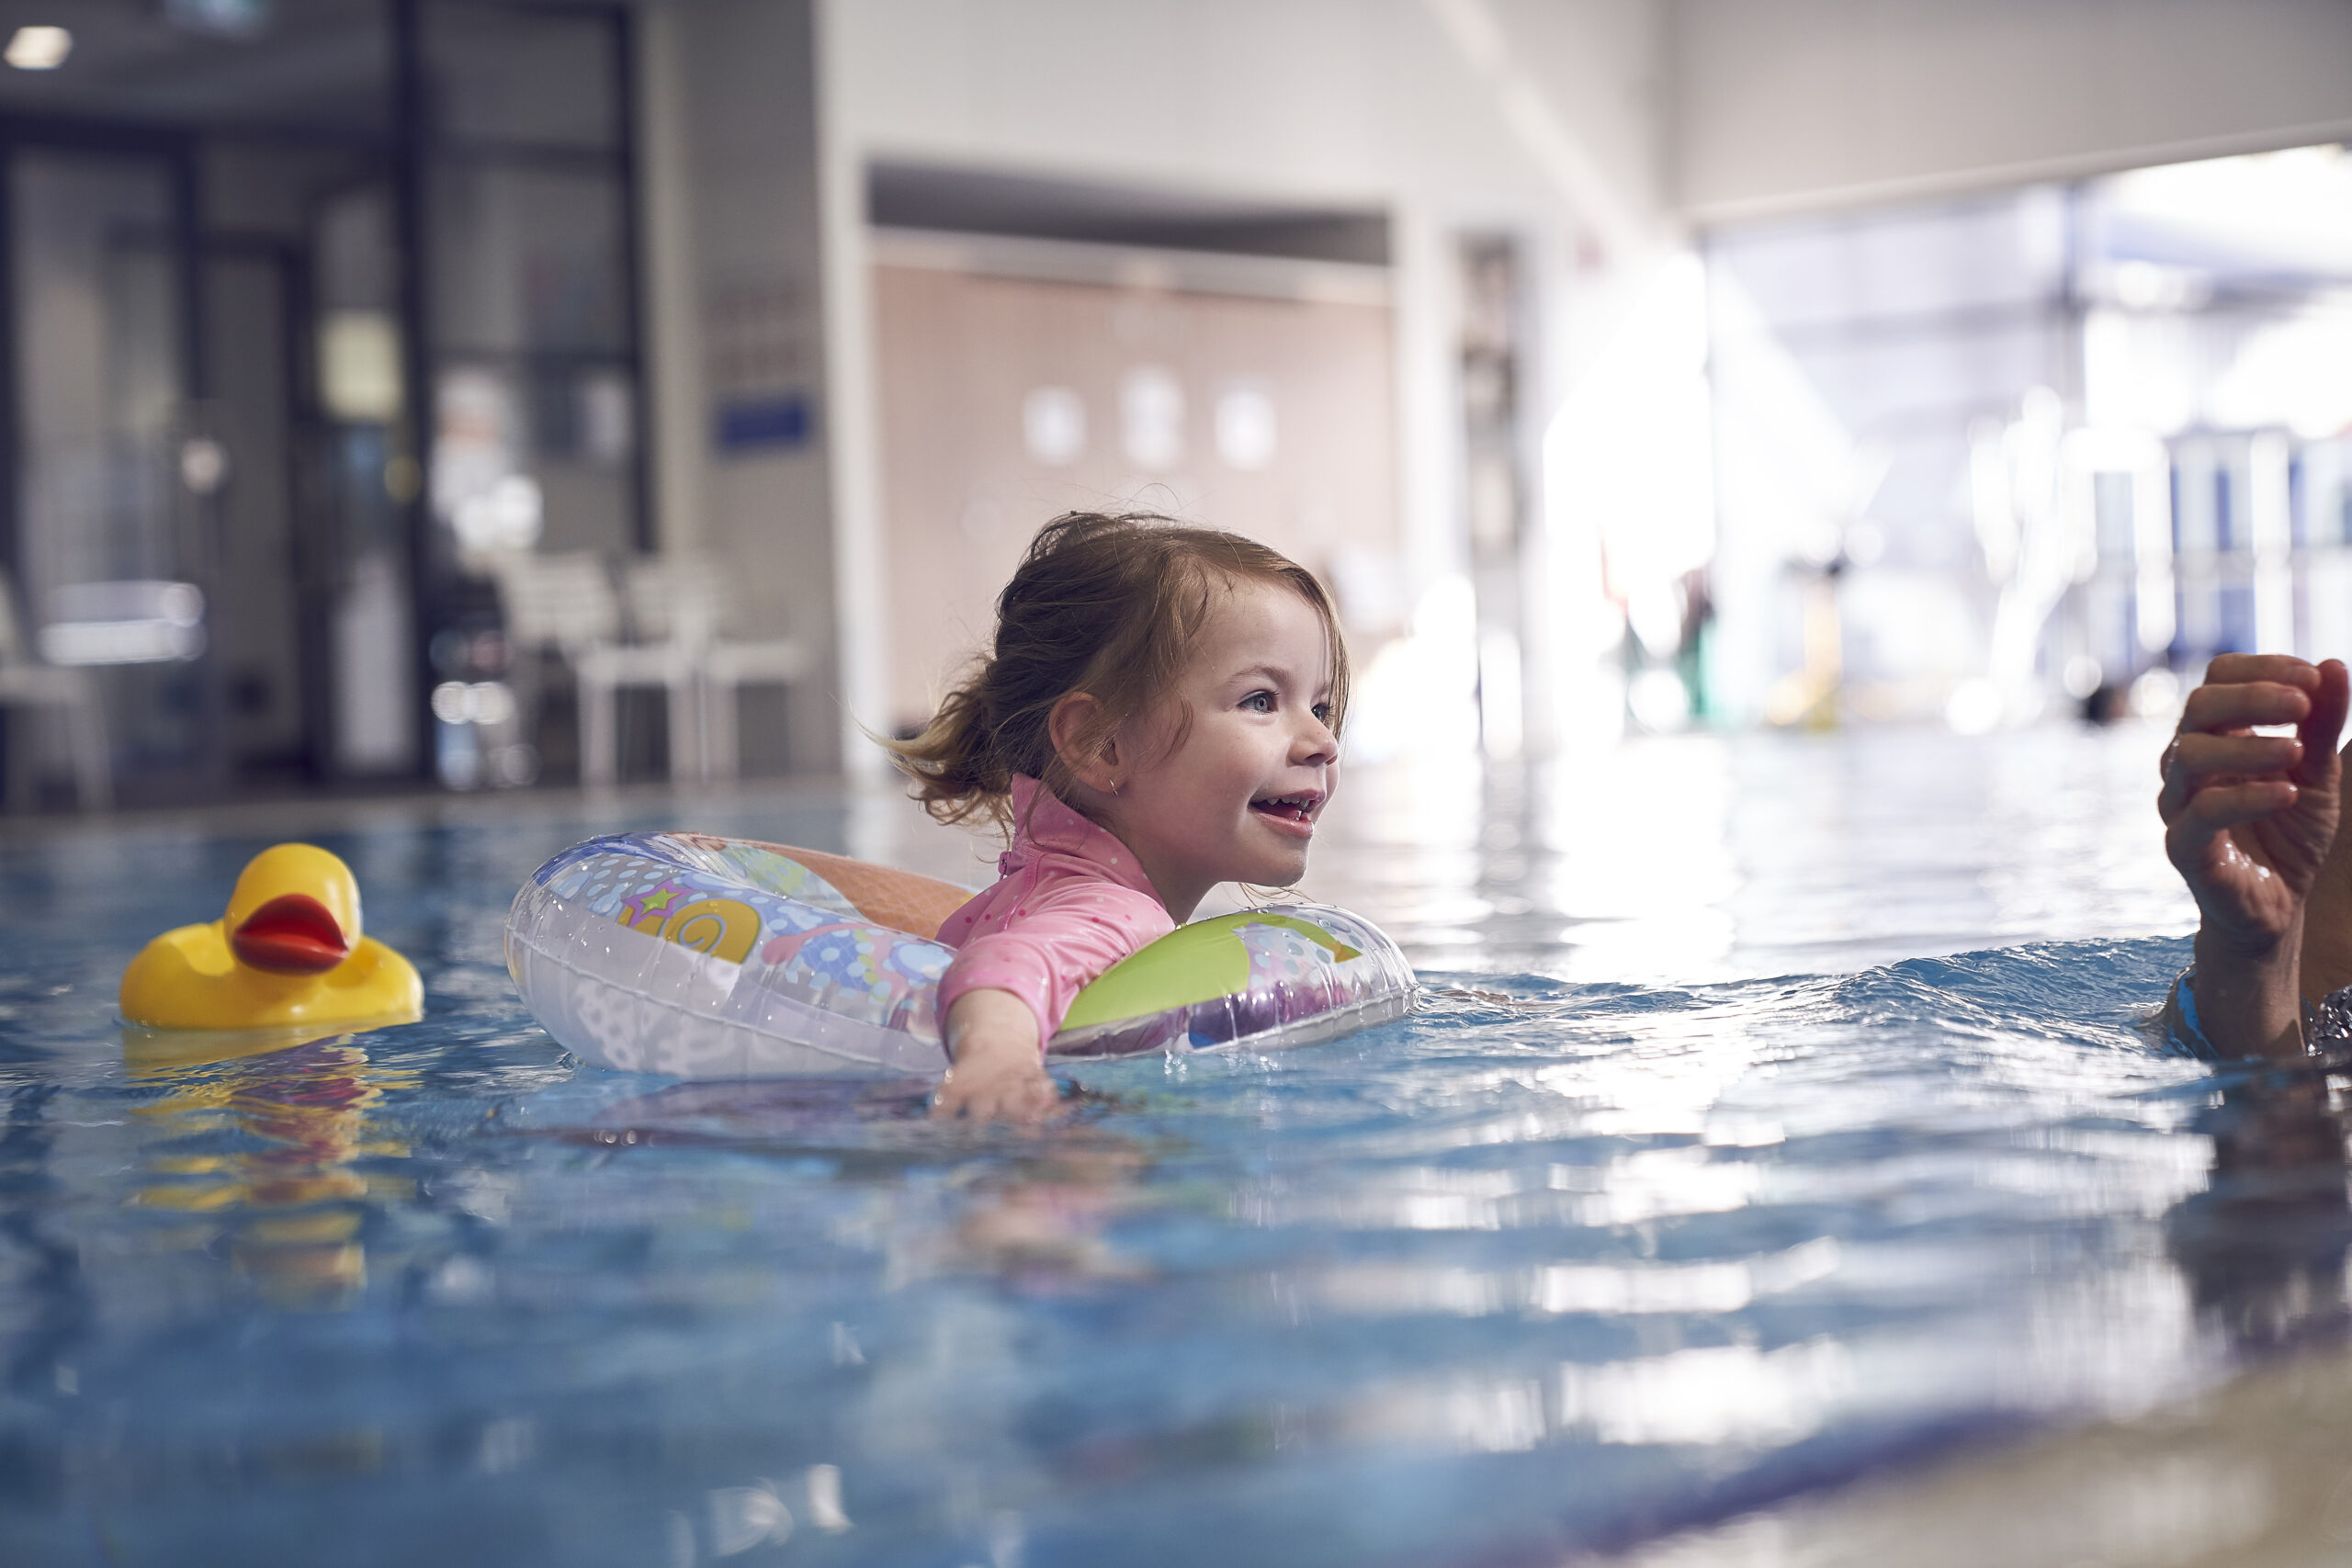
1070 901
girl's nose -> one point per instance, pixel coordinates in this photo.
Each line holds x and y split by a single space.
1316 743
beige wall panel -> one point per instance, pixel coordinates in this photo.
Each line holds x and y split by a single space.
960 351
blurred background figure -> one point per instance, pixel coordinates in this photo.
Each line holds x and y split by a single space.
473 393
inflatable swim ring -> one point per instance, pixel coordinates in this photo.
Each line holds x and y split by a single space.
706 957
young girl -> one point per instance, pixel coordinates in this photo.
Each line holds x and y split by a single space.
1159 714
2252 824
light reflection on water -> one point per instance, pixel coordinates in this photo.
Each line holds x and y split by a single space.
1696 859
1625 1231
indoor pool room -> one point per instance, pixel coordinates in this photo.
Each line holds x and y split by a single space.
1142 784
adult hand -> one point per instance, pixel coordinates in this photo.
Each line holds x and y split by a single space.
2248 822
2248 818
999 1073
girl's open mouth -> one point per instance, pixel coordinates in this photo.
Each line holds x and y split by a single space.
1295 813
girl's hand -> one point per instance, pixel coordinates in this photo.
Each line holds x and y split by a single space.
999 1073
2248 822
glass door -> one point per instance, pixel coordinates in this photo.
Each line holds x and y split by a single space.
113 553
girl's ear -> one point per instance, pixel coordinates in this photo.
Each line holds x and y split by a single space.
1096 764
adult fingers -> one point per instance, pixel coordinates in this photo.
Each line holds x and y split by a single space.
2223 806
2197 842
2324 726
2194 763
2242 706
2199 757
2284 669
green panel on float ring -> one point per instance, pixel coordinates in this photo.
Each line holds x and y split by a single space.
1197 963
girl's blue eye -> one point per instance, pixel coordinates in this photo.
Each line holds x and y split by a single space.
1259 701
1322 713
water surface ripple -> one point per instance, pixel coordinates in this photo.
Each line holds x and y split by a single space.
1567 1260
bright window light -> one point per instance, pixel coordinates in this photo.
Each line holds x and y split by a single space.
38 49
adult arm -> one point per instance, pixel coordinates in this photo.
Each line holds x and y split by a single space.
2327 918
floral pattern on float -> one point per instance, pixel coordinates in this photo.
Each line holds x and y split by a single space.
795 934
890 968
610 873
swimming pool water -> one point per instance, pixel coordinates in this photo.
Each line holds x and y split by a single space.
1697 1184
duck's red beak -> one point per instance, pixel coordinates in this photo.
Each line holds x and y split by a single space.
290 935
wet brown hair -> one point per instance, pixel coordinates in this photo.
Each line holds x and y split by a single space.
1105 603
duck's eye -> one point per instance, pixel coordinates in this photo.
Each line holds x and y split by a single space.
1259 701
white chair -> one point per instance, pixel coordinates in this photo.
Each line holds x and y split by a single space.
681 599
71 694
566 603
730 666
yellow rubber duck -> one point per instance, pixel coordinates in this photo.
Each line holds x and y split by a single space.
288 952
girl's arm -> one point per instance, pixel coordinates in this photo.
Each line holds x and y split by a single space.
2250 824
998 1072
1008 990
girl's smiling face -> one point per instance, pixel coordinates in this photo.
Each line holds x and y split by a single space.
1223 781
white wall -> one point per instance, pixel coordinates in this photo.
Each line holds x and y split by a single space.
727 133
1341 99
1784 105
1531 115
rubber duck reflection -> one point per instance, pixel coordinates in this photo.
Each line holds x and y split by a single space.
291 1207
